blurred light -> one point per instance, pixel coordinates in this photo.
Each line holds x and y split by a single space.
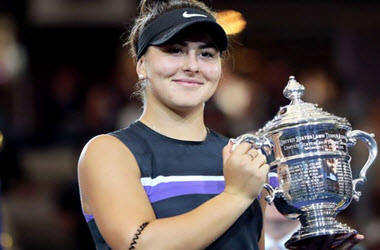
234 99
1 139
321 87
6 240
232 21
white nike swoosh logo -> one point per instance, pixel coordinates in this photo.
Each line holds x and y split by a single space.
186 15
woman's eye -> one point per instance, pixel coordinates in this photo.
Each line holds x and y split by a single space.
175 50
207 54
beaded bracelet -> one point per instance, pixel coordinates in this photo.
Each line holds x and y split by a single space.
137 234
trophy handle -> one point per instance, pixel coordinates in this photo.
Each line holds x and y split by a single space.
272 187
372 147
257 142
265 147
272 193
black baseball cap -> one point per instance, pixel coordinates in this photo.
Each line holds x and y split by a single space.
170 24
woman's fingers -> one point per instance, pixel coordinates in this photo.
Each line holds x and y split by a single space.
245 150
242 148
351 242
259 160
227 150
245 170
252 153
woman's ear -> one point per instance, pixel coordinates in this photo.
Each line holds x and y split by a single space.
140 68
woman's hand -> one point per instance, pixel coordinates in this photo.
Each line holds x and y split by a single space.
350 242
245 170
340 242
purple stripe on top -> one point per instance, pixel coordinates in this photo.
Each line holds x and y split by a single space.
172 189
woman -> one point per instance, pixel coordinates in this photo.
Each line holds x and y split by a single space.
167 168
167 181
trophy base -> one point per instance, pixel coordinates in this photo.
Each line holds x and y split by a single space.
313 242
319 232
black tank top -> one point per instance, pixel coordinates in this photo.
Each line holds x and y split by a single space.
178 176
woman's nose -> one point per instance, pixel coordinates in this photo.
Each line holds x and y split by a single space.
191 63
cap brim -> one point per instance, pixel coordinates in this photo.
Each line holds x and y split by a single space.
210 27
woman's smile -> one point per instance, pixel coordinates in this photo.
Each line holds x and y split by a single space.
188 82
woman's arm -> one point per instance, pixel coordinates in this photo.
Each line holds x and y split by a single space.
263 205
109 180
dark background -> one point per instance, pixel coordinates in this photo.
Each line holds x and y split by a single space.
65 77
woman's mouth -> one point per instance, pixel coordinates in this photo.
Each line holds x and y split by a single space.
188 82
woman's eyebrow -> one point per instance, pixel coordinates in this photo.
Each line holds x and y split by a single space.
208 45
177 43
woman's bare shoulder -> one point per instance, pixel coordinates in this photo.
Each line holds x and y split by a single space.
103 141
111 189
105 151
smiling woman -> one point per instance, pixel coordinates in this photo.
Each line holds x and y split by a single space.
166 181
182 75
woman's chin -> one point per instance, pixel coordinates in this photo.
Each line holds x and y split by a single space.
186 106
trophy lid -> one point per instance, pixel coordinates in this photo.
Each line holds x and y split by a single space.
299 112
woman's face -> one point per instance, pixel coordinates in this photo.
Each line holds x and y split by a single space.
183 74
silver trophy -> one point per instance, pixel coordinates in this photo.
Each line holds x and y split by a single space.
306 149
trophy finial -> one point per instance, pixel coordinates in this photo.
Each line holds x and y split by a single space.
294 90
